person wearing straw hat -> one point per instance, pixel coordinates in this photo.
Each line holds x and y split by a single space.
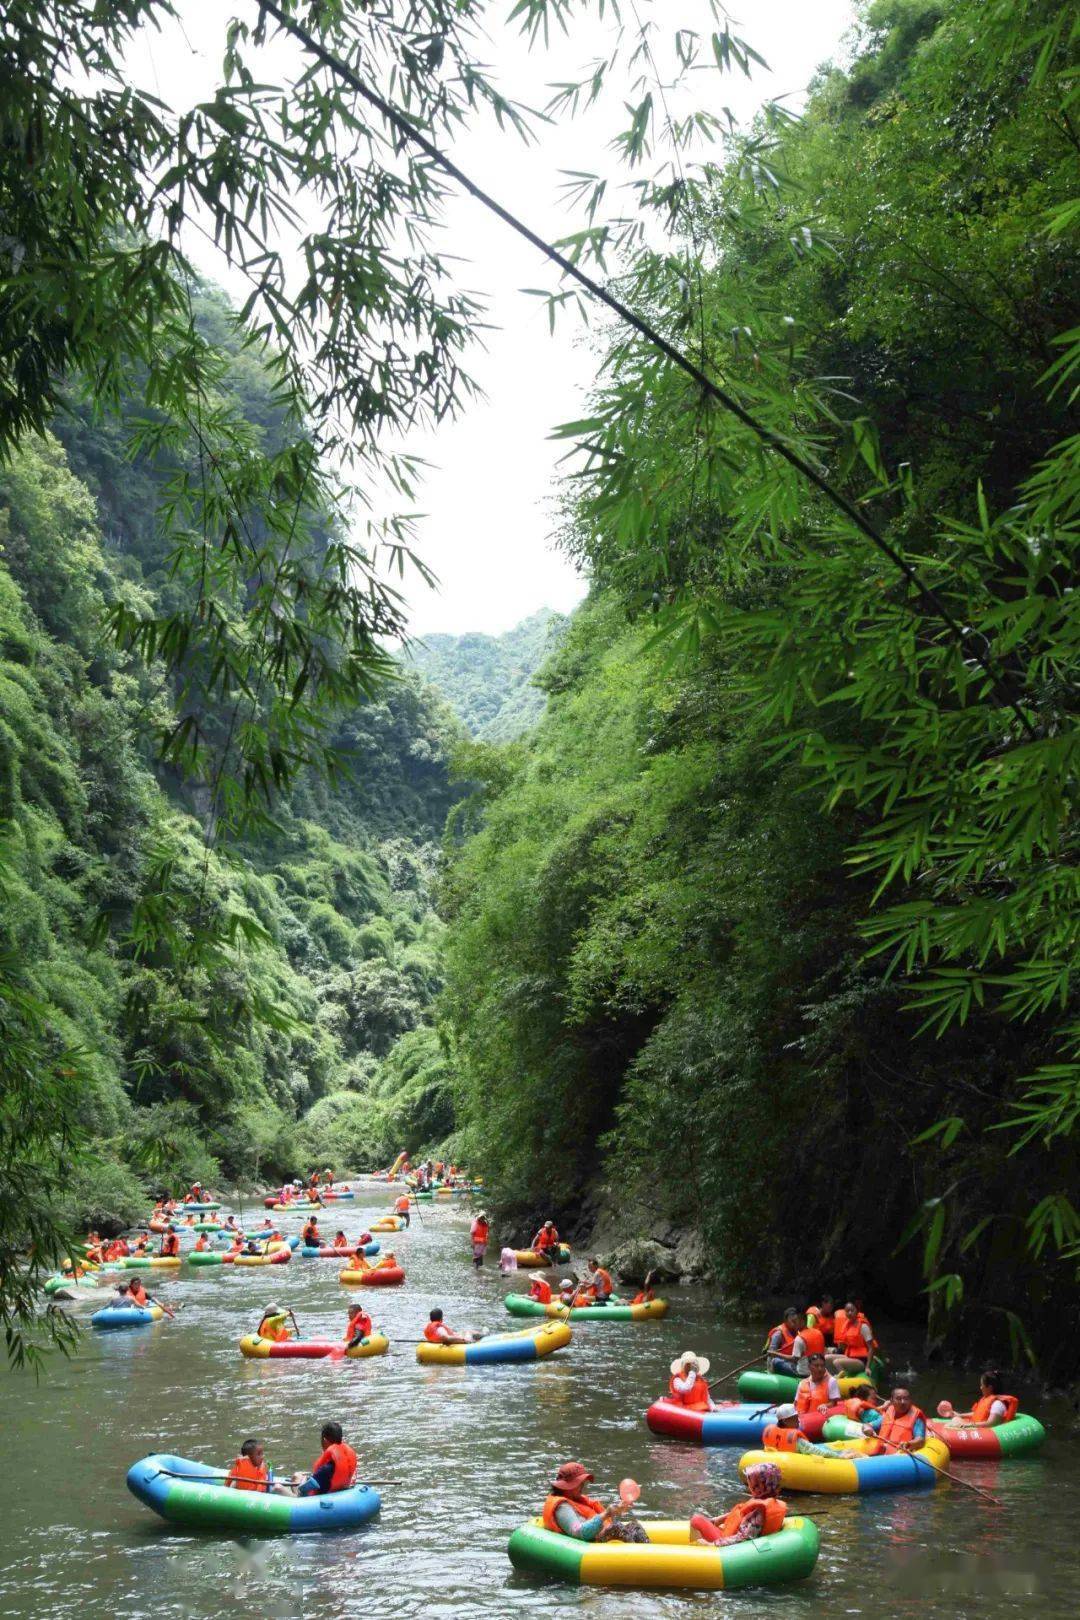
569 1512
687 1382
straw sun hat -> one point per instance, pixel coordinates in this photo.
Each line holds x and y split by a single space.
700 1364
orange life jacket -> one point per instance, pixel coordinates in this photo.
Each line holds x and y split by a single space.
775 1511
277 1334
602 1284
839 1324
359 1322
341 1243
585 1505
434 1332
854 1407
201 1243
401 1205
540 1290
774 1438
980 1412
244 1476
311 1233
644 1297
545 1240
822 1320
137 1293
480 1231
814 1340
696 1397
170 1244
344 1460
898 1429
787 1339
809 1396
849 1339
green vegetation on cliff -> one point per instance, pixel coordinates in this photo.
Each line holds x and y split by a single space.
489 680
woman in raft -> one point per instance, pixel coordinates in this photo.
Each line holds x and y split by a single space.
274 1325
992 1407
687 1383
569 1512
761 1514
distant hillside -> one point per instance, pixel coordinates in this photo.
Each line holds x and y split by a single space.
486 679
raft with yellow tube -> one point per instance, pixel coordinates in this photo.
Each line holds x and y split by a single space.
845 1476
668 1560
380 1276
257 1349
277 1254
534 1259
529 1344
139 1262
388 1223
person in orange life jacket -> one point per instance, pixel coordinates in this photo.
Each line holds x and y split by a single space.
310 1233
687 1383
170 1242
822 1316
568 1293
334 1470
236 1244
540 1288
141 1245
202 1243
195 1194
328 1176
546 1239
599 1282
137 1293
249 1472
819 1389
274 1325
647 1293
188 1220
785 1435
761 1514
569 1512
360 1327
341 1241
992 1407
900 1422
479 1232
853 1338
403 1207
780 1344
437 1332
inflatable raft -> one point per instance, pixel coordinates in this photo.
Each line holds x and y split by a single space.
114 1317
733 1423
843 1476
140 1262
309 1349
621 1311
193 1209
189 1494
388 1223
533 1260
527 1345
337 1197
297 1209
326 1251
777 1387
277 1254
669 1560
377 1277
1021 1435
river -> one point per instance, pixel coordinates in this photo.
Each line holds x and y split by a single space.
473 1449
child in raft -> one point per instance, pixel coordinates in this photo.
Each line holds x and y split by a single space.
249 1472
569 1512
359 1329
761 1514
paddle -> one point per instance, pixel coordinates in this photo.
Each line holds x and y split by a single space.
419 1217
723 1377
162 1305
213 1479
948 1474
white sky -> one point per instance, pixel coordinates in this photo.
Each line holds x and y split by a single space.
488 497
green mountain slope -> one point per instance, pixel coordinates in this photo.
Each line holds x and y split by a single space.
487 680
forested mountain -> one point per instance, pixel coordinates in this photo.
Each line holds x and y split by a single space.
308 1036
763 932
488 680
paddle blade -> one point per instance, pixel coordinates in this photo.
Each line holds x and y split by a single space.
629 1491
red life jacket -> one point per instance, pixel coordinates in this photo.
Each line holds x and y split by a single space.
170 1244
814 1340
980 1412
601 1283
545 1240
137 1293
787 1340
359 1322
402 1205
774 1438
809 1396
244 1476
848 1337
696 1397
585 1505
822 1320
897 1429
775 1511
540 1290
201 1244
344 1460
435 1332
644 1297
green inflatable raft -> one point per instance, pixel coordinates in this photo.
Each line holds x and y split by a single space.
618 1311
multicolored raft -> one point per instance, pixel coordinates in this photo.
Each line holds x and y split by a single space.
190 1494
527 1345
668 1560
843 1476
618 1311
310 1349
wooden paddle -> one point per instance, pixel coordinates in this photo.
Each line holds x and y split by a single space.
959 1478
723 1377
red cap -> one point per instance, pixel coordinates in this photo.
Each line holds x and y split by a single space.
571 1477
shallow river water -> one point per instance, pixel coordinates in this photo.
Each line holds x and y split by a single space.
473 1449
